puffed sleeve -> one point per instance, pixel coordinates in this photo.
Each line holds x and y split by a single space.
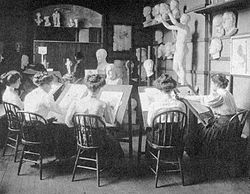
69 115
213 100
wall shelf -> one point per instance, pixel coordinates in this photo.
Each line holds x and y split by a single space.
233 4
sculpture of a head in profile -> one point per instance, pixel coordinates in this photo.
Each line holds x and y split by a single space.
229 23
149 66
218 30
215 48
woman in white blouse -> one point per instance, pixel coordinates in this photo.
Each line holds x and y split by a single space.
221 101
167 101
92 105
12 79
39 100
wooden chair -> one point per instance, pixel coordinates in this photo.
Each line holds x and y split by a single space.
89 130
32 126
232 147
166 137
13 136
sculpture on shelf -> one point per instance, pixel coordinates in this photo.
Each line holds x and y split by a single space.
101 55
141 55
181 48
112 77
47 22
174 7
68 65
147 15
56 18
164 10
229 23
71 23
149 66
158 36
215 48
156 14
38 18
76 22
218 30
24 61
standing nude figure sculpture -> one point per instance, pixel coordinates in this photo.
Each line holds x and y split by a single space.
181 50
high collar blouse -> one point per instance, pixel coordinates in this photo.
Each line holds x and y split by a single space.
11 96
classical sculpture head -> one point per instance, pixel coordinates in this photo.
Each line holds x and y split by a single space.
229 23
215 48
101 55
156 13
141 54
146 11
218 30
174 4
149 66
185 18
164 10
111 71
158 36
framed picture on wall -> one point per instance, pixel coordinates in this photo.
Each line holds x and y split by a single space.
122 38
239 55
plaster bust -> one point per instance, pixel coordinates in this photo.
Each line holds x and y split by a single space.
164 10
141 54
112 78
218 30
215 48
161 51
174 7
229 23
101 55
156 14
158 36
47 22
147 15
149 66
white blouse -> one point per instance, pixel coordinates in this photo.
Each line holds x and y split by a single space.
40 102
221 102
11 96
89 105
165 103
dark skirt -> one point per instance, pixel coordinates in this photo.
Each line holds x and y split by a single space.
202 140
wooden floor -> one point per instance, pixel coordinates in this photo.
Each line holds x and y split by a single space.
128 179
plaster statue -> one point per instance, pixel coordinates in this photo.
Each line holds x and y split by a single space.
158 36
76 22
101 55
174 7
47 22
229 23
156 14
147 15
112 77
71 23
164 10
161 51
38 18
68 65
149 66
24 61
141 54
215 48
56 18
181 48
218 30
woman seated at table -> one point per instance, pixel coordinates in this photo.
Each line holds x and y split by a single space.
201 140
56 137
92 105
12 79
167 102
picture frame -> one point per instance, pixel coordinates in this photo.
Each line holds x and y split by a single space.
239 57
122 38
